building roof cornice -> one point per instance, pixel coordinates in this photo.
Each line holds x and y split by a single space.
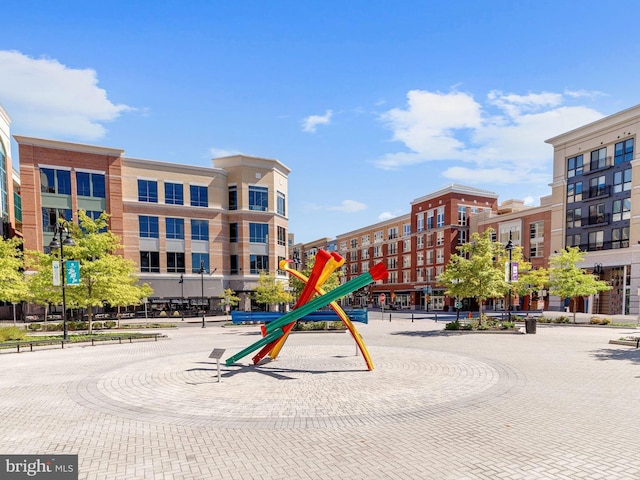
74 147
456 188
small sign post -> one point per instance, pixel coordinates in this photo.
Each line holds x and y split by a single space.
217 354
381 301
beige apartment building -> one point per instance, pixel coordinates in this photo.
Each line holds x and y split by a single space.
192 231
596 205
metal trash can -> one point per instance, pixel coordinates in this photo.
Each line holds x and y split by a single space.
530 325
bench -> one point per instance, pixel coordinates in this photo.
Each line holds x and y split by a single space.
18 344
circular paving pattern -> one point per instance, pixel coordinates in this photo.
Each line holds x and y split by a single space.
304 388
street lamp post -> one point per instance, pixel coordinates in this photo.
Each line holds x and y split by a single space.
58 230
181 282
597 271
509 247
202 289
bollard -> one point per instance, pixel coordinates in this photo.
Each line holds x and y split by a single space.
412 318
436 317
389 317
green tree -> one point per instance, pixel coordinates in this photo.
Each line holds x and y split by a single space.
528 278
105 276
270 291
13 287
473 273
228 298
566 280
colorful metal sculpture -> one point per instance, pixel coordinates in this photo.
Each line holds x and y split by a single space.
276 332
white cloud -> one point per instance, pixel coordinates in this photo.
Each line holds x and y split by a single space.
385 216
44 96
310 123
221 152
502 138
349 206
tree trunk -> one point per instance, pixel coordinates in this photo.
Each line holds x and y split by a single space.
573 302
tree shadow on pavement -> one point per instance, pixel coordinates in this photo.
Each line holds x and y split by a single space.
423 333
632 355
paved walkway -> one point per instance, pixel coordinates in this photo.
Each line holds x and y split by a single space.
561 404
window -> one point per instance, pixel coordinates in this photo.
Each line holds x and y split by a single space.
199 229
620 237
536 229
429 257
429 274
392 248
199 196
50 217
392 263
574 166
233 197
258 232
574 218
462 237
598 159
420 241
440 255
366 240
621 210
430 240
574 240
175 228
258 198
406 261
596 214
281 204
353 243
406 246
233 264
429 219
420 222
622 181
462 215
173 193
392 233
198 261
440 238
536 250
377 251
175 262
574 192
147 191
93 215
406 229
90 184
282 236
597 186
148 226
596 240
623 152
364 254
258 263
55 181
150 262
420 258
440 218
233 232
378 236
280 271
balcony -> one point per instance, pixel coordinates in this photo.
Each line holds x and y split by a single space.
597 165
600 191
598 220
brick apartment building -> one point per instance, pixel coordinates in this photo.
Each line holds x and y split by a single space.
231 218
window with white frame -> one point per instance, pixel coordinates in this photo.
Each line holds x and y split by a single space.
392 248
440 238
440 255
392 263
420 241
430 257
406 229
365 253
429 274
393 277
406 261
406 276
392 233
420 258
439 271
462 215
343 246
430 240
420 221
377 251
440 218
406 246
462 237
354 243
365 240
621 209
429 219
378 237
365 267
536 239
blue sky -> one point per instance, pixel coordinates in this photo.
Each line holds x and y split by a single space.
370 103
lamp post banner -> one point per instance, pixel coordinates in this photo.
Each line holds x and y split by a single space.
72 272
514 271
56 273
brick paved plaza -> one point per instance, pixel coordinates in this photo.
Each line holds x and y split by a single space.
561 404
